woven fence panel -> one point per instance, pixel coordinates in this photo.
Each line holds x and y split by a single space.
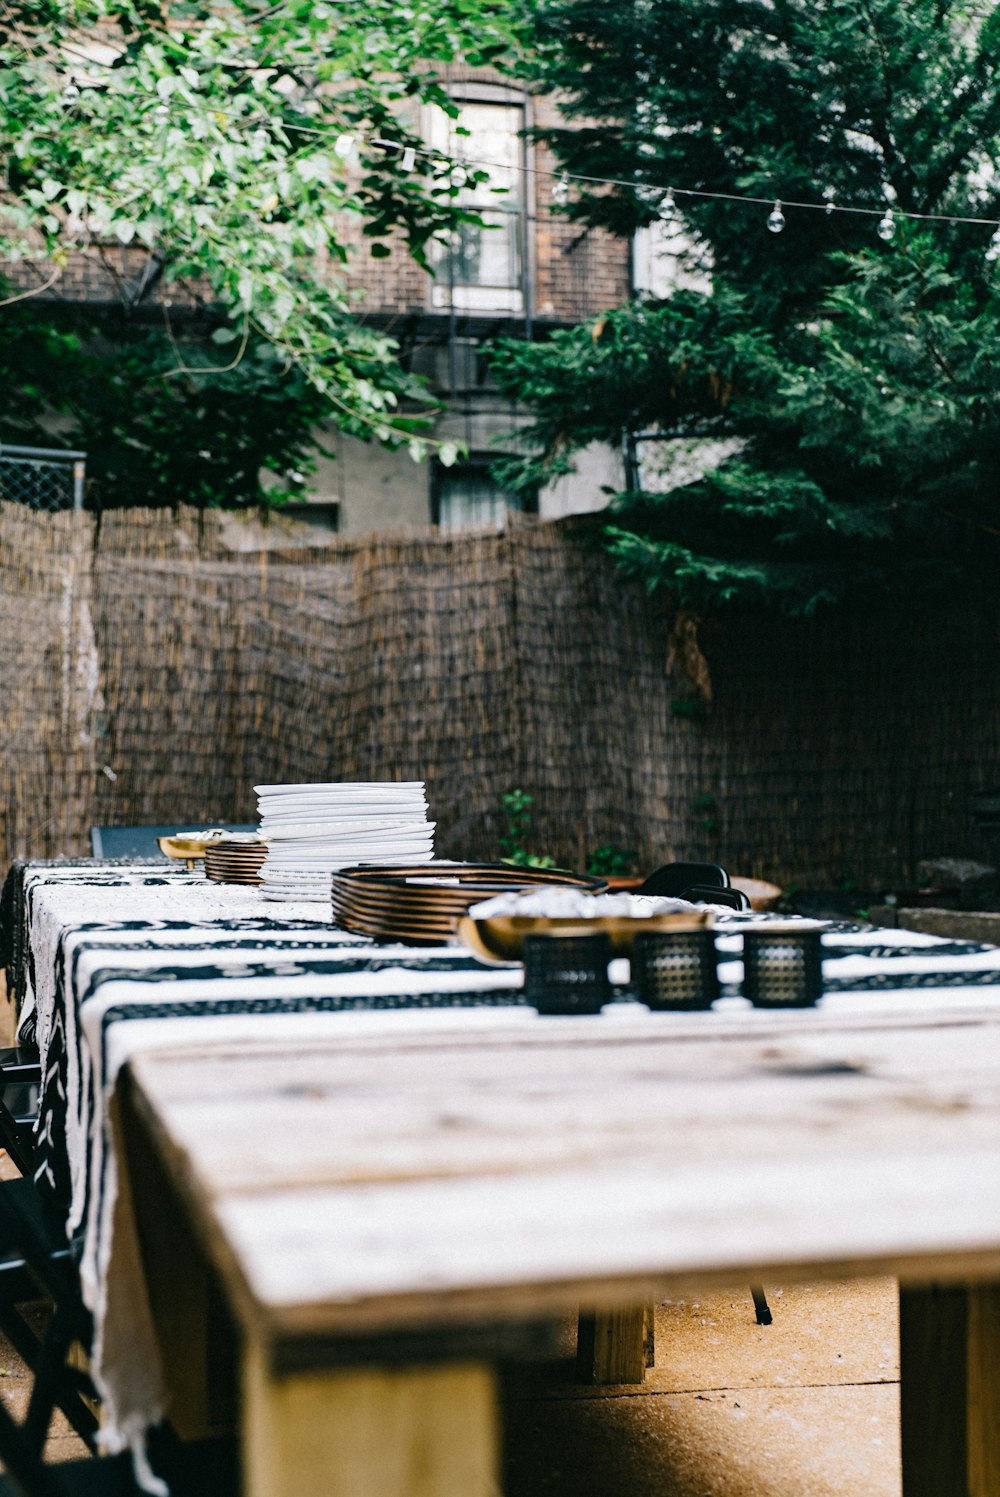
49 679
842 750
153 675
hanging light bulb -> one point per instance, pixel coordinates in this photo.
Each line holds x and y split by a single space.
343 146
993 249
776 219
161 113
70 94
560 190
408 160
667 206
887 226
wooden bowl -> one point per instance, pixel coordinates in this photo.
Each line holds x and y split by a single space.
762 895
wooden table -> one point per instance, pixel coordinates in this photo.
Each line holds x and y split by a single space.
401 1204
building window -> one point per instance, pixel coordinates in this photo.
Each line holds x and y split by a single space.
481 268
467 496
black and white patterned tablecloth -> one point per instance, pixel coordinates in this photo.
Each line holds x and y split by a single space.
149 953
107 959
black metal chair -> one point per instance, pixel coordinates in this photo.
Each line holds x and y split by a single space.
205 1468
19 1101
44 1317
38 1270
673 880
733 899
19 1063
704 883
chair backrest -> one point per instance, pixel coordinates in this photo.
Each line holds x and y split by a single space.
733 899
673 880
140 841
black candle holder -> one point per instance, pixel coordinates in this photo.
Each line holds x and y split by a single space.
567 974
782 968
675 970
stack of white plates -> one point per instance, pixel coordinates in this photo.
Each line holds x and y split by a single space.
313 830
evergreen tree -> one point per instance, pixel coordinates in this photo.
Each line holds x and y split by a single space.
849 364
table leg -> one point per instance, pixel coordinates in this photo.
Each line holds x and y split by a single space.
615 1346
369 1432
950 1390
194 1334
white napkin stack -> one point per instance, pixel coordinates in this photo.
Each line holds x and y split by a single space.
312 830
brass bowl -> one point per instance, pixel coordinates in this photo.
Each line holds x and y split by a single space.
189 845
501 938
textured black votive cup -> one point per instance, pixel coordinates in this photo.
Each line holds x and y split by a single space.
567 974
782 969
675 970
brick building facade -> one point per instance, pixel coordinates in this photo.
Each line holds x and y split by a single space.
529 272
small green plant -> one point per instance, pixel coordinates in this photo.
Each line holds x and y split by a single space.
692 708
609 861
706 804
517 806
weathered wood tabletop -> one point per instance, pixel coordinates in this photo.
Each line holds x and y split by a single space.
399 1183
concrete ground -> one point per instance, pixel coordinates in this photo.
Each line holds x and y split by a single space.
805 1407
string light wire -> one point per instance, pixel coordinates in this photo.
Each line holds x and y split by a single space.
559 175
562 179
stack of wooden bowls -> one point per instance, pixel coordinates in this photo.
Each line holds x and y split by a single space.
421 903
234 862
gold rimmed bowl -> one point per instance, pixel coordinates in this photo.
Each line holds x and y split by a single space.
190 846
500 938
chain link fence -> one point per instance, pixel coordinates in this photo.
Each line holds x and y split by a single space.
42 478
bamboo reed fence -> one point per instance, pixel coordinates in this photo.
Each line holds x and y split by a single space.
153 674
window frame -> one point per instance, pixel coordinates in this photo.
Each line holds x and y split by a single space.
473 463
444 295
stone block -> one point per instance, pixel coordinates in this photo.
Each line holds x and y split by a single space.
955 925
975 882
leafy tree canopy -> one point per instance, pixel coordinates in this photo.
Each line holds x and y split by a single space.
853 384
235 145
162 416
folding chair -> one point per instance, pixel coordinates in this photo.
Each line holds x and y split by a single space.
205 1468
39 1265
19 1063
19 1102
